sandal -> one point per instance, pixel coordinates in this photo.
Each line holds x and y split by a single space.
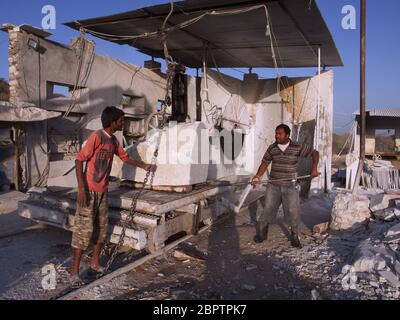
76 281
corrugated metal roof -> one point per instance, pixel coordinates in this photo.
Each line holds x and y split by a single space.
233 40
382 112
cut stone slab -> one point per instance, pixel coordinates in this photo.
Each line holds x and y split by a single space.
180 156
391 278
67 181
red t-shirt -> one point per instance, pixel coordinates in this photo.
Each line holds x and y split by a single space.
99 152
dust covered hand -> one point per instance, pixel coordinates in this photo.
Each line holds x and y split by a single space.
142 165
255 181
314 173
149 167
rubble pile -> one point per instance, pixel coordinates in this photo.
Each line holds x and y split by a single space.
349 211
360 258
362 264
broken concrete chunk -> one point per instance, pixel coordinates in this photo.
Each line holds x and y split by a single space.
395 230
321 228
251 267
315 295
369 264
384 200
369 258
183 256
397 267
387 215
349 212
248 287
379 202
391 278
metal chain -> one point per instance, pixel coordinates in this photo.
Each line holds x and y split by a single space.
150 173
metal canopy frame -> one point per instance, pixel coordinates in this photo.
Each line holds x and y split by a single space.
237 40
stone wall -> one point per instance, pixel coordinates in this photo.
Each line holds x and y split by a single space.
267 104
15 66
98 81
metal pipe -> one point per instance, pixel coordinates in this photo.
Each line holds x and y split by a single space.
362 79
205 69
263 182
362 94
318 100
319 107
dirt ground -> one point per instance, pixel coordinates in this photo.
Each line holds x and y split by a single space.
234 266
222 263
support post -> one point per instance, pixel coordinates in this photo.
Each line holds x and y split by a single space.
362 95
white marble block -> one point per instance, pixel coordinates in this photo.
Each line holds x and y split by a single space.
183 157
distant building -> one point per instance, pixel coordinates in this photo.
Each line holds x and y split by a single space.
382 133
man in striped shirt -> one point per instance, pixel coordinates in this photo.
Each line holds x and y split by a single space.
283 188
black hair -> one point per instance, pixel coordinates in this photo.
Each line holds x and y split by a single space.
284 127
109 115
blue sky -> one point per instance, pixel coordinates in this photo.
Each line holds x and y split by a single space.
383 45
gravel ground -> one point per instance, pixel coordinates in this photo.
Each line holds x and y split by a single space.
221 263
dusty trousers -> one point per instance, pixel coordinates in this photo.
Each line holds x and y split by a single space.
289 197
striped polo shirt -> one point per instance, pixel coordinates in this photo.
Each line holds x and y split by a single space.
284 163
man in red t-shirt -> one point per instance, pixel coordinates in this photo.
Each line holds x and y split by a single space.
91 217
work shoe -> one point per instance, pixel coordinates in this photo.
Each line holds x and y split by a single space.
261 236
294 240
